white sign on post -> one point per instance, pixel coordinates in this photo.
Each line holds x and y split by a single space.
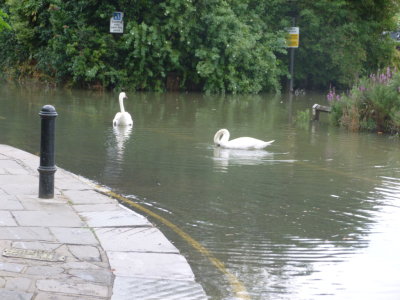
117 23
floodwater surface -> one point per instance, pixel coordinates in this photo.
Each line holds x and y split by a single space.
314 216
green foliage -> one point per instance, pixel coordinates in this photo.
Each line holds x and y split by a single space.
215 46
3 24
340 41
211 45
372 104
236 57
302 118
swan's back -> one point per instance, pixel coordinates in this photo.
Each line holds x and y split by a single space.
116 118
122 119
246 143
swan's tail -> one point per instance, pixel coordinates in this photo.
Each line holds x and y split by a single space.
269 143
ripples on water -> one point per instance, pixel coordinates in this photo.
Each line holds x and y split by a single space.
315 216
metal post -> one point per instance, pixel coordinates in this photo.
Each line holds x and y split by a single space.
47 166
292 61
291 69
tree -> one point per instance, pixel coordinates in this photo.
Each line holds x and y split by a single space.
343 40
217 46
3 24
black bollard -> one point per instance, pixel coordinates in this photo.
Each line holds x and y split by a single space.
47 166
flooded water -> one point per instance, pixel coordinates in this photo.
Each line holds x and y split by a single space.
316 216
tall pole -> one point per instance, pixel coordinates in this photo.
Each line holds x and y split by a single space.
292 61
291 69
47 166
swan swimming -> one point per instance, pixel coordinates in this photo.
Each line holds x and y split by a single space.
221 139
122 118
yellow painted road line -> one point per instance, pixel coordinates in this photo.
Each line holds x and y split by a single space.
237 287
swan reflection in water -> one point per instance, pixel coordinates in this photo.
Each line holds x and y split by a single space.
117 139
122 135
224 157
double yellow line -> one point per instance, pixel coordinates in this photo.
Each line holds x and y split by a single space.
238 288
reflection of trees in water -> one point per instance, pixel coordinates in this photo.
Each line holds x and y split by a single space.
177 109
267 220
319 209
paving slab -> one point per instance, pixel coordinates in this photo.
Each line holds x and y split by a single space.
20 188
32 203
115 218
99 276
96 207
134 239
68 182
11 267
6 219
18 284
87 196
81 265
12 167
35 245
26 233
9 202
61 218
86 253
48 271
71 287
150 289
6 294
150 265
81 244
79 236
56 296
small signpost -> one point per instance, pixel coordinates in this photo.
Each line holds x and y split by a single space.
293 37
117 22
292 43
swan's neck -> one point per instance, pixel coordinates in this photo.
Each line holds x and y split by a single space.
222 136
121 104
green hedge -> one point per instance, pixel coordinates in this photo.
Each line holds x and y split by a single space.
215 46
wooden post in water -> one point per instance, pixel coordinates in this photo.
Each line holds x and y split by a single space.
316 109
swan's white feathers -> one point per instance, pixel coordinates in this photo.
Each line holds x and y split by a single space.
122 118
221 139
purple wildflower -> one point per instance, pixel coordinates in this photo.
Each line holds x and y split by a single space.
332 95
388 73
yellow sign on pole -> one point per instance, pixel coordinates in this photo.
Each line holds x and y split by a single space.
293 37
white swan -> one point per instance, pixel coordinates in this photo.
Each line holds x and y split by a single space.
122 118
221 139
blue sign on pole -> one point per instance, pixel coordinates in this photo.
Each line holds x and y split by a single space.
117 16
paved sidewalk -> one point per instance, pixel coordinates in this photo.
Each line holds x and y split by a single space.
81 244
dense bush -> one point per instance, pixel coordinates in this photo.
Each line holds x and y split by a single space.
372 104
343 40
203 45
235 46
3 24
